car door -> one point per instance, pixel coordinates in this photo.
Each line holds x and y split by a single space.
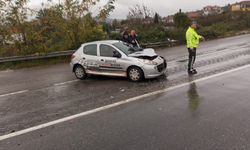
110 60
90 57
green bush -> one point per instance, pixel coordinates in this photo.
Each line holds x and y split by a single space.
115 36
7 50
178 34
157 34
209 33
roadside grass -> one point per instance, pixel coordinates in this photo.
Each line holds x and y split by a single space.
34 63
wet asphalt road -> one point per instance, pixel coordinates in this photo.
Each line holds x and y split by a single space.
50 93
210 114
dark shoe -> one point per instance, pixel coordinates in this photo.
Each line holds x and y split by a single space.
190 72
194 71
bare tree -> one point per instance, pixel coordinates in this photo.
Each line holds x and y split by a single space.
140 12
105 11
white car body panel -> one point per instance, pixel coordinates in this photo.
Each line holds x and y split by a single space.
113 66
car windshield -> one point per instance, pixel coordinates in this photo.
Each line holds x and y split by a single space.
124 47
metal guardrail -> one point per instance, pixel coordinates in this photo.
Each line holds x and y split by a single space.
160 44
69 52
35 57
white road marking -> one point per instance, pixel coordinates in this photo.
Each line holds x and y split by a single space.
14 93
28 130
67 82
24 91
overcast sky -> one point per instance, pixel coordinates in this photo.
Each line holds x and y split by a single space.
163 7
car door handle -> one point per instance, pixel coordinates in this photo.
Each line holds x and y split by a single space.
102 59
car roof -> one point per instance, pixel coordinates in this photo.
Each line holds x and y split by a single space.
102 42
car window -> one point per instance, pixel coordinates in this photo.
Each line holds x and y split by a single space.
107 51
124 47
90 50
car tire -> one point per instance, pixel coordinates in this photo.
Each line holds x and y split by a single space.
135 74
80 72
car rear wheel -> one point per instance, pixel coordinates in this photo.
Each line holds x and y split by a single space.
80 72
135 74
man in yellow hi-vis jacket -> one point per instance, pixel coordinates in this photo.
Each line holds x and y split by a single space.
193 40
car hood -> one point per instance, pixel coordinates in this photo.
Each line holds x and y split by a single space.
149 52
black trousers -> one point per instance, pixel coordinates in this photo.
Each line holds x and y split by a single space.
191 58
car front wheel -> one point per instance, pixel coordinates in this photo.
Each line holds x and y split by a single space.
135 74
80 72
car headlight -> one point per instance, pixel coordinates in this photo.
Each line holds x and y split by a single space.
149 62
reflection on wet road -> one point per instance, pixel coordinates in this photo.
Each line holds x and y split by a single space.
194 98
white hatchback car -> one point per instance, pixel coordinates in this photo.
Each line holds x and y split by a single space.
116 58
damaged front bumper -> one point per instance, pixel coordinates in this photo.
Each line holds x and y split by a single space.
152 71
